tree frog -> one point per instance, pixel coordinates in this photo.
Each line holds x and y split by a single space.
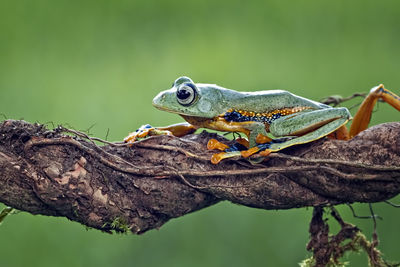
272 120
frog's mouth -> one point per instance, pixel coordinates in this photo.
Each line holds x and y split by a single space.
166 109
183 114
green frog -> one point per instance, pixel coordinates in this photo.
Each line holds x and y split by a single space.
272 120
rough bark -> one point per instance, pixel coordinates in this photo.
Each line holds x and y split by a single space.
140 187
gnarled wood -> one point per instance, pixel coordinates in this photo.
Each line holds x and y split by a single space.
142 186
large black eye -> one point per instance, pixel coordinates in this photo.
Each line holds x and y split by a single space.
186 94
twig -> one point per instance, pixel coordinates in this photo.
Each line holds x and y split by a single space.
336 99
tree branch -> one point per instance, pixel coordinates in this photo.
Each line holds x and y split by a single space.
140 187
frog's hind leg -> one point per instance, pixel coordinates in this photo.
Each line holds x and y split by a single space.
306 127
363 115
290 130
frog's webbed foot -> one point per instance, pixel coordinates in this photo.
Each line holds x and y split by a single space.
144 131
228 151
238 149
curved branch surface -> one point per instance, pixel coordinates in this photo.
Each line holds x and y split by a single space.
140 187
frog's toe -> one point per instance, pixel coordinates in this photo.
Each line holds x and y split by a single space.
142 132
265 152
131 138
247 153
215 144
216 158
261 149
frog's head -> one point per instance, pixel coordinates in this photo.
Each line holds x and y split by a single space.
187 98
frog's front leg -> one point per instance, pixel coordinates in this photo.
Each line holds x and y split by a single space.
179 129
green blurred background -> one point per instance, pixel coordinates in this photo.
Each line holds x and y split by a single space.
100 63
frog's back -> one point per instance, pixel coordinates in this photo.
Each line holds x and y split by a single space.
270 100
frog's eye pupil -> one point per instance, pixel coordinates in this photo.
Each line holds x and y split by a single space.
183 94
186 94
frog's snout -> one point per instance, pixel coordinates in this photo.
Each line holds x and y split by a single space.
164 100
159 100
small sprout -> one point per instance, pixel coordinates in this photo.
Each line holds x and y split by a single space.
119 225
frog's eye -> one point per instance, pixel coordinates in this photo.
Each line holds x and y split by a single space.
186 94
182 80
